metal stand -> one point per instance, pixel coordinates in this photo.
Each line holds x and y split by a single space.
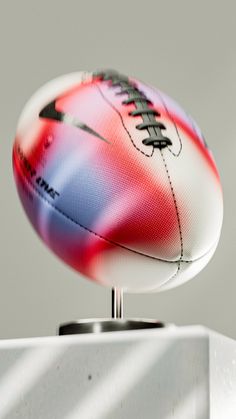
115 324
117 303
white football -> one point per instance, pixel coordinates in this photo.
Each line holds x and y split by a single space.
118 181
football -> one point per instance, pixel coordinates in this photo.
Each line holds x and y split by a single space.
118 181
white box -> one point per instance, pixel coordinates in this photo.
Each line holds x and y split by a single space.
170 373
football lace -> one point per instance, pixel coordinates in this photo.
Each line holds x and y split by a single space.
142 105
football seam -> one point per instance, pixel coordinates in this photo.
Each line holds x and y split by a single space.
173 122
98 235
177 213
122 121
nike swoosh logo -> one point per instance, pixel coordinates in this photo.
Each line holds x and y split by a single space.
50 112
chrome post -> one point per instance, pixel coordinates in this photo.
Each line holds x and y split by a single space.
117 303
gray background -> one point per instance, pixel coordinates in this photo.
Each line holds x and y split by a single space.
186 48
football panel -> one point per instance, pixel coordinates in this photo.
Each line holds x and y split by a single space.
107 187
91 255
189 166
96 258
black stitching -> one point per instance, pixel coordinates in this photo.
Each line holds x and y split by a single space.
181 260
117 111
175 203
173 121
174 275
178 218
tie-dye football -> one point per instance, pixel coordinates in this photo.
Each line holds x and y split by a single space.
118 181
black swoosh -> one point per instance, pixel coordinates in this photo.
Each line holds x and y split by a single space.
50 112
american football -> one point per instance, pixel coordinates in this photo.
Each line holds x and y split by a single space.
118 181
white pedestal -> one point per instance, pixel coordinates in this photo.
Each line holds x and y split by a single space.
171 373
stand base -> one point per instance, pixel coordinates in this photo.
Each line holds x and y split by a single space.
165 373
107 325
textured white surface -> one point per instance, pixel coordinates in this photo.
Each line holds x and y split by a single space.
223 377
167 374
